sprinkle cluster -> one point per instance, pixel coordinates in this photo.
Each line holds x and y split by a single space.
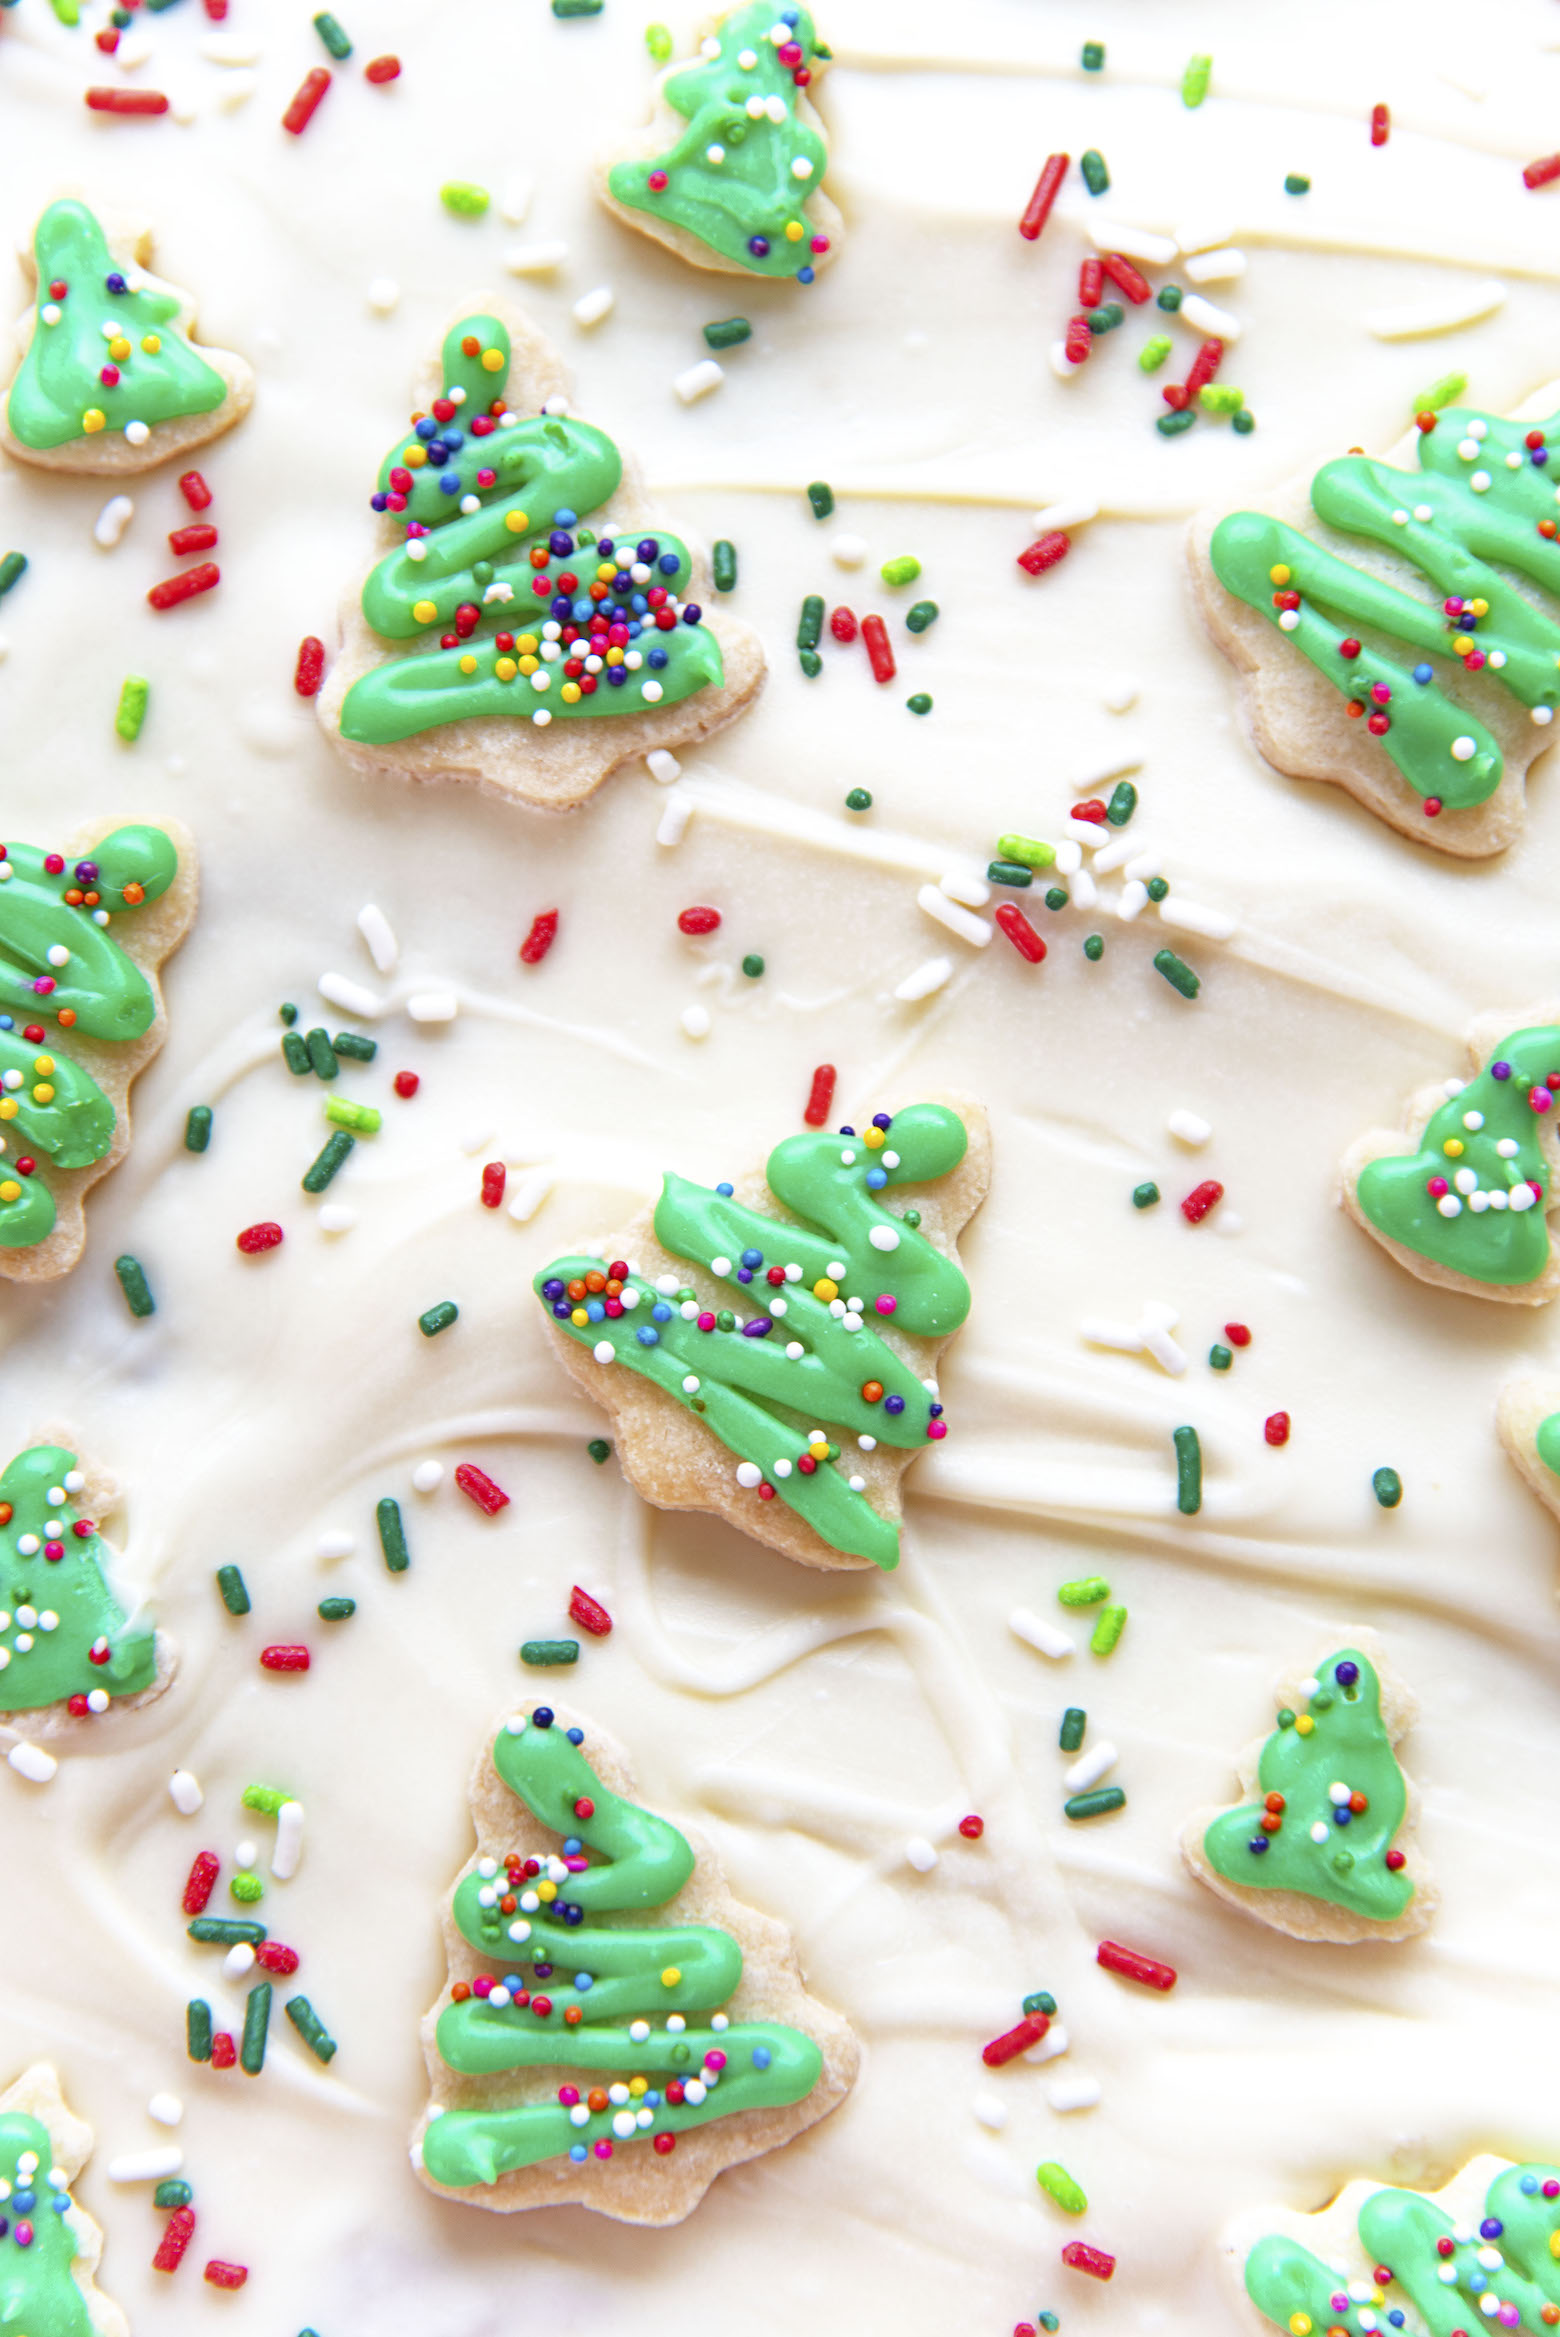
1469 2255
1346 1802
522 1885
118 354
24 1623
598 611
19 2201
612 1291
80 891
787 225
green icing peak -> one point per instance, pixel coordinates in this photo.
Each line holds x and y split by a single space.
62 1631
79 379
39 2293
60 963
538 617
1473 1197
621 1978
741 176
1484 503
1314 1769
1446 2278
782 1355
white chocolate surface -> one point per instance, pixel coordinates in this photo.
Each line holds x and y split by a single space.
813 1727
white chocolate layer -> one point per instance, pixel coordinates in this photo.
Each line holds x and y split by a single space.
812 1726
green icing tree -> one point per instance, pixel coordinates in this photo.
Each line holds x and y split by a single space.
1480 506
807 1351
39 2293
1445 2278
741 175
542 619
59 960
620 2016
1473 1197
63 1635
106 354
1333 1799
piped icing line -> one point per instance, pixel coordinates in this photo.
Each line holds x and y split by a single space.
60 963
64 1636
1469 1195
808 1351
1327 1806
1485 496
1442 2264
622 2013
744 177
540 617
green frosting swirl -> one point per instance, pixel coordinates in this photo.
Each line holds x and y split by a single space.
60 384
55 1610
741 176
1503 2274
624 2008
760 1391
39 2293
1477 510
1346 1744
481 492
1482 1147
59 960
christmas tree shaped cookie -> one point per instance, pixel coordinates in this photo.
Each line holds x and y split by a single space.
49 2247
67 1649
1395 623
529 628
786 1384
730 171
616 2027
1481 2252
110 380
83 931
1323 1846
1461 1196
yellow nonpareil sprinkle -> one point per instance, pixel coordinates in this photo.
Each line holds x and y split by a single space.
1453 1147
93 420
468 664
425 611
517 522
671 1976
493 360
505 668
152 345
